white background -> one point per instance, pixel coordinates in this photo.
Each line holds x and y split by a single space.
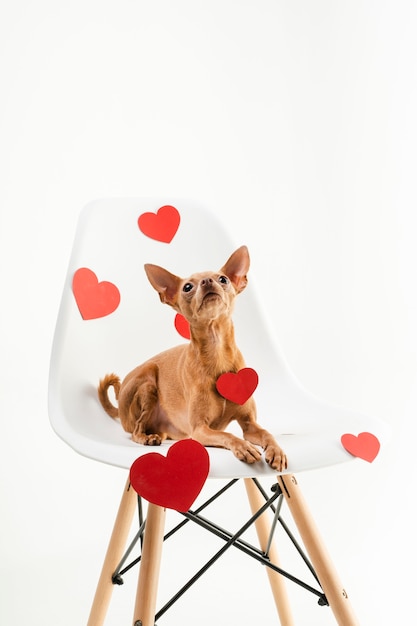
295 121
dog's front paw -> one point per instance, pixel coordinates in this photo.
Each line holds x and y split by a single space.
246 452
276 458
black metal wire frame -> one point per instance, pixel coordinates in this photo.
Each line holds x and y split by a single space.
230 539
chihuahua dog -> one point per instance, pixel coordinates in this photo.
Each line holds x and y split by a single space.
173 395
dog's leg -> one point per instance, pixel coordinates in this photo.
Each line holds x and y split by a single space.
142 411
274 454
242 449
138 405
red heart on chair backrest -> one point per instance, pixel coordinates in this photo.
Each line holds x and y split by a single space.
161 225
94 299
173 481
365 445
182 326
237 387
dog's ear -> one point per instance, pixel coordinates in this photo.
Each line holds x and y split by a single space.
165 283
236 268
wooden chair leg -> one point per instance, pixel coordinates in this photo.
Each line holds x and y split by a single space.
147 589
113 556
263 529
332 587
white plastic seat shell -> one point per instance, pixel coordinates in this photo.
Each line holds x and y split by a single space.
109 242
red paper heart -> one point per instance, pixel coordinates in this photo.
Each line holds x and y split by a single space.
365 445
182 326
173 481
94 299
161 225
237 387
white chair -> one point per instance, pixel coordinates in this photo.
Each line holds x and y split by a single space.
111 243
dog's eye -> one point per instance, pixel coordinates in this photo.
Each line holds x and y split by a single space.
187 287
223 279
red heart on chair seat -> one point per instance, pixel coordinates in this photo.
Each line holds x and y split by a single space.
161 225
94 299
365 446
173 481
237 387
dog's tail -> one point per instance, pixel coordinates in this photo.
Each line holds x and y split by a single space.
110 380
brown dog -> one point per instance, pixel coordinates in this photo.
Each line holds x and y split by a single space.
174 395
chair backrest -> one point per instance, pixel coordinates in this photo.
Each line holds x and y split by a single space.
114 239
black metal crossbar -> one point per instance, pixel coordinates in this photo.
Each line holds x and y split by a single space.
231 540
117 576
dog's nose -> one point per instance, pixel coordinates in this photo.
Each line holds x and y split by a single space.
206 281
